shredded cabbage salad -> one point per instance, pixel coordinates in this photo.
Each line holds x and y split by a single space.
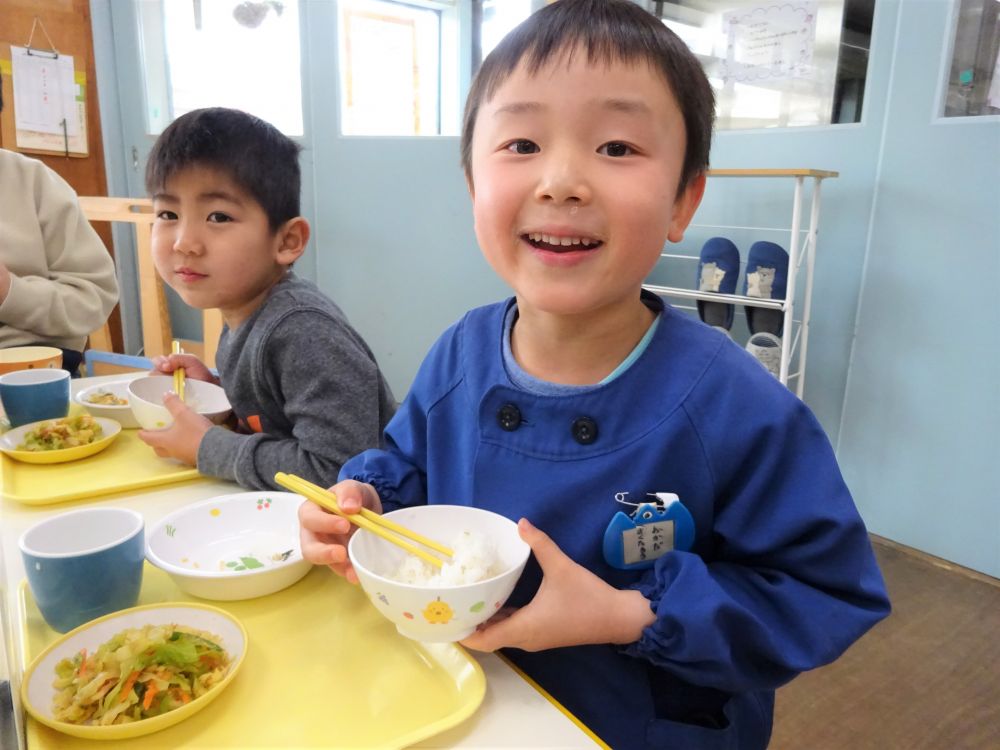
138 673
68 432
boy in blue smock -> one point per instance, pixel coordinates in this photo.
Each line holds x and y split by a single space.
695 546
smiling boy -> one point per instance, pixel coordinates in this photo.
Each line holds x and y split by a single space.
303 383
575 230
694 543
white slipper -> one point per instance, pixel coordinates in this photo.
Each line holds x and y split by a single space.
766 348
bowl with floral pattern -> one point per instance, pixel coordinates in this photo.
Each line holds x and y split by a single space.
230 547
446 604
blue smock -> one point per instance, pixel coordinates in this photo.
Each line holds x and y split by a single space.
780 576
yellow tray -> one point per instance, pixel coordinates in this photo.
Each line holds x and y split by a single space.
128 464
323 669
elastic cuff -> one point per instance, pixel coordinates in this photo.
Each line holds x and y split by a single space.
652 588
658 635
387 494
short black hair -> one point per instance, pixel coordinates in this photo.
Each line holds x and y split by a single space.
609 30
257 156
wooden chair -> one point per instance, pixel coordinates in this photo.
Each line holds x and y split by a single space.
157 334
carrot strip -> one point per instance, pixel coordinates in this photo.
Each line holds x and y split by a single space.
83 662
147 699
127 687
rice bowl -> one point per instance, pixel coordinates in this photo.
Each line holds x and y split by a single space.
441 610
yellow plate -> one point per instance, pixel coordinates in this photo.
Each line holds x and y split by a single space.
326 670
12 438
37 691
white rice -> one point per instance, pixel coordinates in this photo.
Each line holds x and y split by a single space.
474 559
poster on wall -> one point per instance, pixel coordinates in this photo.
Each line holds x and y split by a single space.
771 42
46 117
44 92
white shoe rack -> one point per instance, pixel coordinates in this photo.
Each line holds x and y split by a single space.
801 247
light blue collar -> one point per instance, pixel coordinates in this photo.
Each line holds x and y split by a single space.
530 383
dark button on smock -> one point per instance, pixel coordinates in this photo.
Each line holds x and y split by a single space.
509 417
584 430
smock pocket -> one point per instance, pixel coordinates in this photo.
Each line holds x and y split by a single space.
665 734
693 717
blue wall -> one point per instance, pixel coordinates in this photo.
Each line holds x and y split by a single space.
394 239
920 439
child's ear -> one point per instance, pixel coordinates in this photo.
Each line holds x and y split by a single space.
684 207
293 236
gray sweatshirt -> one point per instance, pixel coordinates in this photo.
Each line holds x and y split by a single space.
304 384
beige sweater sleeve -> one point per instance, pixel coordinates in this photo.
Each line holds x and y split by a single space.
63 283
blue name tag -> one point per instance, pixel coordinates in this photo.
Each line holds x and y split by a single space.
635 541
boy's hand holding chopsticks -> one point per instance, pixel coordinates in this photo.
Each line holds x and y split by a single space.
194 368
324 536
402 536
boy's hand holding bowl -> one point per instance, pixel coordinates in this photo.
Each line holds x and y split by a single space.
174 428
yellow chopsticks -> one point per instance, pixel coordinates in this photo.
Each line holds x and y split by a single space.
178 373
366 519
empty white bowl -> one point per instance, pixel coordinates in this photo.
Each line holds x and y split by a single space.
121 413
146 400
231 547
438 613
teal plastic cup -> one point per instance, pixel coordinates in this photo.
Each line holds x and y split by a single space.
84 564
34 395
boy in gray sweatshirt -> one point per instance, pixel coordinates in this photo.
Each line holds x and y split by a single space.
303 384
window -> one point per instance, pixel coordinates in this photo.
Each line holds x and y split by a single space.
974 74
500 17
393 81
799 62
224 53
400 60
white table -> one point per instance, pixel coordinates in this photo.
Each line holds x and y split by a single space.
513 713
